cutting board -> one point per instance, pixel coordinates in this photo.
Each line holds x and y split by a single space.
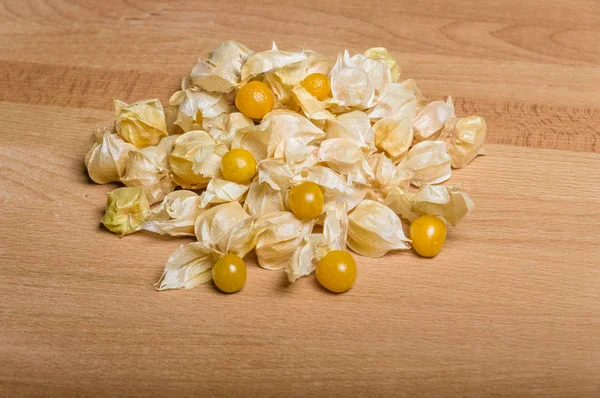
509 308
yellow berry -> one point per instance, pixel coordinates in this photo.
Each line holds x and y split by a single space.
428 234
229 273
318 85
306 200
238 165
254 99
337 271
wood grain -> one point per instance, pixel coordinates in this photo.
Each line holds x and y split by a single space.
511 307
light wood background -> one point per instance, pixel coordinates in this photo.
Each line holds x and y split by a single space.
511 307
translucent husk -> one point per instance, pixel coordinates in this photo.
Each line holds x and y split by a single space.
374 229
221 71
272 134
346 157
141 123
107 158
225 228
126 210
148 168
195 159
262 200
430 163
467 136
225 127
354 126
176 215
333 185
398 102
221 191
381 54
446 202
315 246
387 175
196 108
430 120
312 107
266 61
281 235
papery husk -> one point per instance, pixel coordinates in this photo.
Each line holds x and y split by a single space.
398 102
346 157
220 191
222 69
190 265
351 86
315 246
354 126
430 163
224 128
168 143
394 135
411 86
430 121
176 215
195 159
374 229
107 158
381 54
333 186
281 235
467 136
141 123
265 61
387 175
126 209
213 225
312 107
276 173
278 126
262 200
149 168
196 107
292 74
446 202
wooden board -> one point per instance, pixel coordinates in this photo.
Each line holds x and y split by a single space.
511 307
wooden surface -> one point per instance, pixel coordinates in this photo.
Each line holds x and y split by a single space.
511 307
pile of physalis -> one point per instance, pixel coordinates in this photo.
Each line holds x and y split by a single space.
291 155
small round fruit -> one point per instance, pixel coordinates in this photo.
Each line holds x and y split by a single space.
306 200
337 271
238 165
317 84
254 99
229 273
428 234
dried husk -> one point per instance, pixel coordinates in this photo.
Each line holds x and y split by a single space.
394 135
275 173
446 202
141 123
274 132
195 159
467 136
221 71
374 229
398 102
149 168
315 246
346 157
197 108
430 163
430 121
333 186
107 158
354 126
176 215
387 175
126 210
266 61
262 200
281 235
225 127
381 54
220 191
